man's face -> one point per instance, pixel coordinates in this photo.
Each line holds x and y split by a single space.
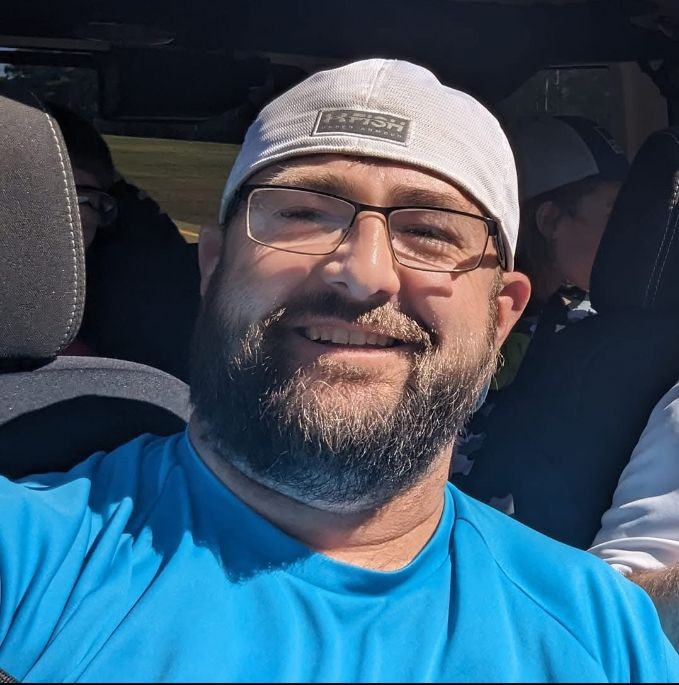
578 234
339 379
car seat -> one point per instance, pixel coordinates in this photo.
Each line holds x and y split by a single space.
56 410
552 446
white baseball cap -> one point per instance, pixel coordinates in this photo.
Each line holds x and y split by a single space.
553 151
394 110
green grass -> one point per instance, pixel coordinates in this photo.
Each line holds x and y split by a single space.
185 178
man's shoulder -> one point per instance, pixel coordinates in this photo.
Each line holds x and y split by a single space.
514 546
592 602
103 496
65 536
510 541
103 477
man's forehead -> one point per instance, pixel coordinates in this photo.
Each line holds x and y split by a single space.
347 176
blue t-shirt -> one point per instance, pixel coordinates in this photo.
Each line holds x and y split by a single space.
139 565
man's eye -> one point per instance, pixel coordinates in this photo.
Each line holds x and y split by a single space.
301 214
429 234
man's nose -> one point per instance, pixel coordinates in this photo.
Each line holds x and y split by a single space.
363 266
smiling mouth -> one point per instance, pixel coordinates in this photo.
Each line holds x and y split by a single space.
340 336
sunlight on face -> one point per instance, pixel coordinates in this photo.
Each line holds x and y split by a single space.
340 378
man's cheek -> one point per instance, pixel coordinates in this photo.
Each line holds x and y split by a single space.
241 297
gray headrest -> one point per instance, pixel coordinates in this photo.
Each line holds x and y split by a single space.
42 267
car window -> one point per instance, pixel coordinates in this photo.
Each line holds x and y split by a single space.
593 92
74 87
184 177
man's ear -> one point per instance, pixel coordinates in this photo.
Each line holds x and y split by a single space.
547 218
209 252
511 302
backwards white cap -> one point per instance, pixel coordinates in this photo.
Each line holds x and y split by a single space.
392 110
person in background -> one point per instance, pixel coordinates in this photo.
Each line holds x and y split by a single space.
142 291
94 175
92 170
570 171
356 292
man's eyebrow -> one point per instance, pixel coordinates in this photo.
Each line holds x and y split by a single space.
425 197
314 179
399 195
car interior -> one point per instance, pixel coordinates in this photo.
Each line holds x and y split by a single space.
46 395
173 86
583 394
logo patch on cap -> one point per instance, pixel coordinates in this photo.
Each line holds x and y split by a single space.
354 122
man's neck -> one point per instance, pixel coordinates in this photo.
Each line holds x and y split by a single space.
385 538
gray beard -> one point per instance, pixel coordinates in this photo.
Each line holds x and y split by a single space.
298 432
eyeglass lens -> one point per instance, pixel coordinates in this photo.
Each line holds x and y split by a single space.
101 202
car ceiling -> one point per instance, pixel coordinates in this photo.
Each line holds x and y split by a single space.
485 46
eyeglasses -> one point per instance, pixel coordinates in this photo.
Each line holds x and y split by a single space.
314 223
100 201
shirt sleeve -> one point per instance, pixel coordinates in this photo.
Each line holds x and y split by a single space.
46 529
640 532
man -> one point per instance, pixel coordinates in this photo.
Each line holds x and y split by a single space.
93 174
570 171
142 276
355 298
92 170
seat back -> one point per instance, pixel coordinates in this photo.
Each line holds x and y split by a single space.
552 446
41 249
54 410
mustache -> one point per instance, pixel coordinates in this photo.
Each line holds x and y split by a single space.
385 319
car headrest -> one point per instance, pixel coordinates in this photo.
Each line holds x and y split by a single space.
637 264
42 266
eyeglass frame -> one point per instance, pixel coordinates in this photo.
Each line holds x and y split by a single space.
85 187
492 229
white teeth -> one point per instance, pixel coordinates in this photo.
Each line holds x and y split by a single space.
341 336
357 338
